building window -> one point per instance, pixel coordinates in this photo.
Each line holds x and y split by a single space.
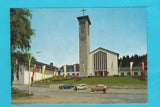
135 73
101 73
67 70
122 74
68 74
61 70
77 73
72 73
141 73
128 73
77 70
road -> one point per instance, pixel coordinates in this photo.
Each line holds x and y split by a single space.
69 96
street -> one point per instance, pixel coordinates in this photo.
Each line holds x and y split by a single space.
69 96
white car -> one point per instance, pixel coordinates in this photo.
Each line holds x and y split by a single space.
81 87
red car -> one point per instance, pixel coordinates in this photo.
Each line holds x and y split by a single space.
99 87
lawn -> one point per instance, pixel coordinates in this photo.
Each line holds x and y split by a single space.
20 94
99 80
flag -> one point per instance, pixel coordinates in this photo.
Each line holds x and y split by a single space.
74 68
83 68
143 68
43 69
34 69
131 65
64 69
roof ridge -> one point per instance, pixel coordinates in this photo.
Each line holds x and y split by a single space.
104 50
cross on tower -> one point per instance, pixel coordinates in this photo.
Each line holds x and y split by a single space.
83 11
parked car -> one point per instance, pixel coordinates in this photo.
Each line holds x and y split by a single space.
81 87
99 87
66 86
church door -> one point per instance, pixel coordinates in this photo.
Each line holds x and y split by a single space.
105 73
99 73
95 74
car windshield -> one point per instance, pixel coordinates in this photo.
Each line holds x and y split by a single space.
81 85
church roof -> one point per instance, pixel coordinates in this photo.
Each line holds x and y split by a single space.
84 17
48 67
104 50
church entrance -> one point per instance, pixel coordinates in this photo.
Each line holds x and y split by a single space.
98 73
105 73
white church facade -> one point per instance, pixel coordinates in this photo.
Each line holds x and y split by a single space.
100 62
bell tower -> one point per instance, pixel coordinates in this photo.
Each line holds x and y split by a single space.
84 44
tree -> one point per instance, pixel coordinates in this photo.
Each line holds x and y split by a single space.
22 58
51 64
21 30
125 60
21 33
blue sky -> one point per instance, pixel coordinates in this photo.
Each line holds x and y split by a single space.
122 30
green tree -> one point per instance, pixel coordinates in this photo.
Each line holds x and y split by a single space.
51 64
21 30
125 60
21 33
22 58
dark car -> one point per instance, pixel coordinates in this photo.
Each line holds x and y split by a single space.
66 86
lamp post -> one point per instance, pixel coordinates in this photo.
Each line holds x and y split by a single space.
29 62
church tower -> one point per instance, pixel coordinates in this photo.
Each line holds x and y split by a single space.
84 44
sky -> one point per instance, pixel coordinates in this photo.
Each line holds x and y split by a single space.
121 30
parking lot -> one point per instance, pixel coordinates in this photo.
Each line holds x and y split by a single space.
70 96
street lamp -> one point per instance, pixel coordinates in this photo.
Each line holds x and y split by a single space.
29 62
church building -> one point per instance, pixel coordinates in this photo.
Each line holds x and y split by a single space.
100 62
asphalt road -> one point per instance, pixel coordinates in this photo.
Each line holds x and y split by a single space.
69 96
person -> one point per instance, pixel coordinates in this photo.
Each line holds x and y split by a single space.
104 89
75 88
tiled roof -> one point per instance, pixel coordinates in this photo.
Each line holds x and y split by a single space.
48 67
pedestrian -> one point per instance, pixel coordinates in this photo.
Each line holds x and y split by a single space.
75 88
104 89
